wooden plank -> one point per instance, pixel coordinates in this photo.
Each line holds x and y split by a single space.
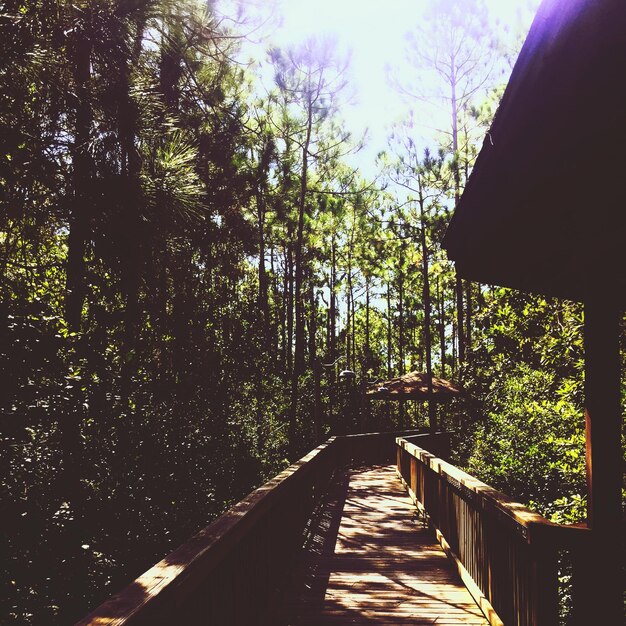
472 587
371 561
499 546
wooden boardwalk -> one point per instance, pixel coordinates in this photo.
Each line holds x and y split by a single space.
368 560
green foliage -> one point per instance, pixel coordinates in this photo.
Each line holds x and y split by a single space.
526 371
155 217
173 184
530 445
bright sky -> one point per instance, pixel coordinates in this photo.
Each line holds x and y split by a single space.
373 30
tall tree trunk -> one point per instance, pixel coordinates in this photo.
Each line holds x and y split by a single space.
298 367
315 366
420 350
70 422
389 336
283 317
263 281
71 419
432 418
442 326
133 235
457 195
453 363
469 314
82 172
460 331
401 339
401 322
332 346
299 265
332 328
368 351
273 321
349 319
353 335
289 311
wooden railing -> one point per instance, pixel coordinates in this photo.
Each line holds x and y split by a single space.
506 554
226 572
229 572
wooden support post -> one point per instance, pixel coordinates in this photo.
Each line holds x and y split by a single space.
546 590
602 568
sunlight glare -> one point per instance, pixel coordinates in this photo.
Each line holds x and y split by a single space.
374 33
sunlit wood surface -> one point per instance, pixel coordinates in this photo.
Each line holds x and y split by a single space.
368 560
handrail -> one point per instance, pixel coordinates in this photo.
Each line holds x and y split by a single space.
246 548
533 526
506 554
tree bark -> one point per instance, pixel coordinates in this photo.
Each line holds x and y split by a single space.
368 352
457 195
469 314
389 336
442 327
349 318
133 243
315 366
353 335
82 173
298 366
289 311
432 418
299 264
263 282
332 349
401 322
70 423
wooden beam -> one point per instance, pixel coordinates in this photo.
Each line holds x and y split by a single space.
603 453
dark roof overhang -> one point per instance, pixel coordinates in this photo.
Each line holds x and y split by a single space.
544 209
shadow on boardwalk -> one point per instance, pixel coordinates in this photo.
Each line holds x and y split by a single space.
366 560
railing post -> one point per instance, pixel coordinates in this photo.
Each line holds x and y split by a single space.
587 599
399 458
506 553
603 417
413 478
